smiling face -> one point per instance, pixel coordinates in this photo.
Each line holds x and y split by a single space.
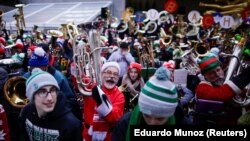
45 100
133 74
110 77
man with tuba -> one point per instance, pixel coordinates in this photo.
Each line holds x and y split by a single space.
105 107
214 90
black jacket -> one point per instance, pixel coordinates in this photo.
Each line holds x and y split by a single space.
59 125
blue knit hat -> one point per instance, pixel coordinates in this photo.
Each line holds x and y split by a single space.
38 58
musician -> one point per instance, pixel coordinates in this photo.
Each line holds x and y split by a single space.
123 58
40 59
156 106
47 116
105 107
214 88
133 81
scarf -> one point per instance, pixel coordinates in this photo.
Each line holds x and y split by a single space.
136 119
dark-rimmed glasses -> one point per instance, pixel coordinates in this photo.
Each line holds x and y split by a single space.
44 93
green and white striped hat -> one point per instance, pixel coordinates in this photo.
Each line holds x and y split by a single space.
158 97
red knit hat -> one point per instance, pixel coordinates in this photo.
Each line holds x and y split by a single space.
1 50
169 65
208 63
135 65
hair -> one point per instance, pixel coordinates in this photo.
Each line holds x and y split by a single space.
138 77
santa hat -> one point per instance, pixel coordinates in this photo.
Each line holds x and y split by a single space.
208 63
135 65
37 80
38 58
110 64
19 44
159 97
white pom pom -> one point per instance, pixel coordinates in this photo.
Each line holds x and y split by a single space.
39 51
36 70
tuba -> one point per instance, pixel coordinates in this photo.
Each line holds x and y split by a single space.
88 62
14 91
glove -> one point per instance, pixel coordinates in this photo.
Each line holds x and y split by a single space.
96 96
242 79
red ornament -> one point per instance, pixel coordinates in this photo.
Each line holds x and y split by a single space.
208 21
171 6
245 13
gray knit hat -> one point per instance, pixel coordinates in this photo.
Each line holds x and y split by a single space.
158 97
37 80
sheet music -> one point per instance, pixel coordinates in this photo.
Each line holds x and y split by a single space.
180 77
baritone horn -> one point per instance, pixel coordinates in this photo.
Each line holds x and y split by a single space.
14 91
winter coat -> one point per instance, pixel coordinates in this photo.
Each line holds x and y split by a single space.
58 125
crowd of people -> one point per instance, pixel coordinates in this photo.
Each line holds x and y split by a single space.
59 109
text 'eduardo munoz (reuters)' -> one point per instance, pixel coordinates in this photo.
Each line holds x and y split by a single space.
161 132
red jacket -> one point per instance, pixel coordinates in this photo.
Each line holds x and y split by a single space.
225 92
106 123
4 128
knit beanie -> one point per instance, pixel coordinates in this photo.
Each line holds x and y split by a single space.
38 58
208 63
110 64
136 66
158 97
169 64
37 80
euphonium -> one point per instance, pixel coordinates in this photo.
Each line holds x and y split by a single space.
14 91
72 30
87 63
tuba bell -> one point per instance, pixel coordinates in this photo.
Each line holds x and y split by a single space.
14 91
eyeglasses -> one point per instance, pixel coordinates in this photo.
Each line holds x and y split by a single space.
109 73
44 93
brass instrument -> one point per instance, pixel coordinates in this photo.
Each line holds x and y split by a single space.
38 35
87 62
225 9
14 91
201 50
19 17
55 33
166 39
2 22
123 87
72 30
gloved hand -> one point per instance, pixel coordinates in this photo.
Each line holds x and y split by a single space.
242 79
96 95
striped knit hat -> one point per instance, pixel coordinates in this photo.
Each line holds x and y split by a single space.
208 63
158 97
37 80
